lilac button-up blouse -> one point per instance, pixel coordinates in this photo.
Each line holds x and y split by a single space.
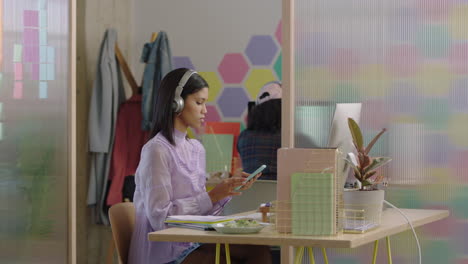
170 180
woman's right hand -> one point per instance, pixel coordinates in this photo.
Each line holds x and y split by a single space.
225 189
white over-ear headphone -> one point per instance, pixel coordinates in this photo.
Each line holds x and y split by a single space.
178 104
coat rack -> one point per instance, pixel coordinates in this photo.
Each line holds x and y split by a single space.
126 70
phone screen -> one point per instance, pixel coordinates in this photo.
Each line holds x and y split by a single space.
253 174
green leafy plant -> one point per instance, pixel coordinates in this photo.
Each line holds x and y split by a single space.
365 166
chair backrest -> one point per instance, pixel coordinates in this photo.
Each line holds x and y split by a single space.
122 219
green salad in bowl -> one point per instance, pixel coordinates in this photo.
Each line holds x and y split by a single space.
246 222
239 226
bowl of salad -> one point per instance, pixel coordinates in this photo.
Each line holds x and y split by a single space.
239 226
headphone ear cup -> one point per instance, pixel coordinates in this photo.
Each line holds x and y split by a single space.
178 104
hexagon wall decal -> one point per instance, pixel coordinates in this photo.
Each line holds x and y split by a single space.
212 114
261 50
278 67
279 33
256 79
214 84
233 101
182 62
233 68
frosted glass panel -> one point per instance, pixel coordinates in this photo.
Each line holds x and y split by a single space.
407 62
34 91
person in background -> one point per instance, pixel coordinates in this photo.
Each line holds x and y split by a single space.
259 143
170 178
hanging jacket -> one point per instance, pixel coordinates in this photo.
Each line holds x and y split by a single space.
129 139
158 59
108 93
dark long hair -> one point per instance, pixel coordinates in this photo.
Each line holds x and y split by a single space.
265 117
163 116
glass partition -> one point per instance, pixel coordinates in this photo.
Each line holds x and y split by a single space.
34 131
407 62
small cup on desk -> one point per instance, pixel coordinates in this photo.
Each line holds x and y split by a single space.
264 210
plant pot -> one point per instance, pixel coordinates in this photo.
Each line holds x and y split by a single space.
363 207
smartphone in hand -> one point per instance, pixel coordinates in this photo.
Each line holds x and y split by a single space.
252 175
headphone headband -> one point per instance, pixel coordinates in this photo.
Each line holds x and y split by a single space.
178 101
183 81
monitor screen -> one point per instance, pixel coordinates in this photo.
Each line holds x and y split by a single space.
339 131
312 125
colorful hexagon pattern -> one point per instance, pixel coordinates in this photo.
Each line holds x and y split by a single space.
233 68
279 33
433 9
438 149
435 114
404 29
213 82
256 79
278 67
233 102
458 18
261 50
458 165
434 79
212 114
182 62
344 63
403 60
440 38
458 129
315 48
458 95
403 98
458 56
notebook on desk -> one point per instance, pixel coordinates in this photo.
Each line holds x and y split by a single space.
313 204
296 160
197 219
202 222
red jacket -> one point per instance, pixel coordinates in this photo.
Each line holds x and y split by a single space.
129 139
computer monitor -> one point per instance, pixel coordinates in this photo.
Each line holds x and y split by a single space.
312 125
340 136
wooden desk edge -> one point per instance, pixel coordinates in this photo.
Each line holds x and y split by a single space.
404 227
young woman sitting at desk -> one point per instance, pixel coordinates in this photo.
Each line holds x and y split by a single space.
170 179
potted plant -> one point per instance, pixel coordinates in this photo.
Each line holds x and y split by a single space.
367 198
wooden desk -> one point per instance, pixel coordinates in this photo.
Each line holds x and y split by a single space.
392 223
